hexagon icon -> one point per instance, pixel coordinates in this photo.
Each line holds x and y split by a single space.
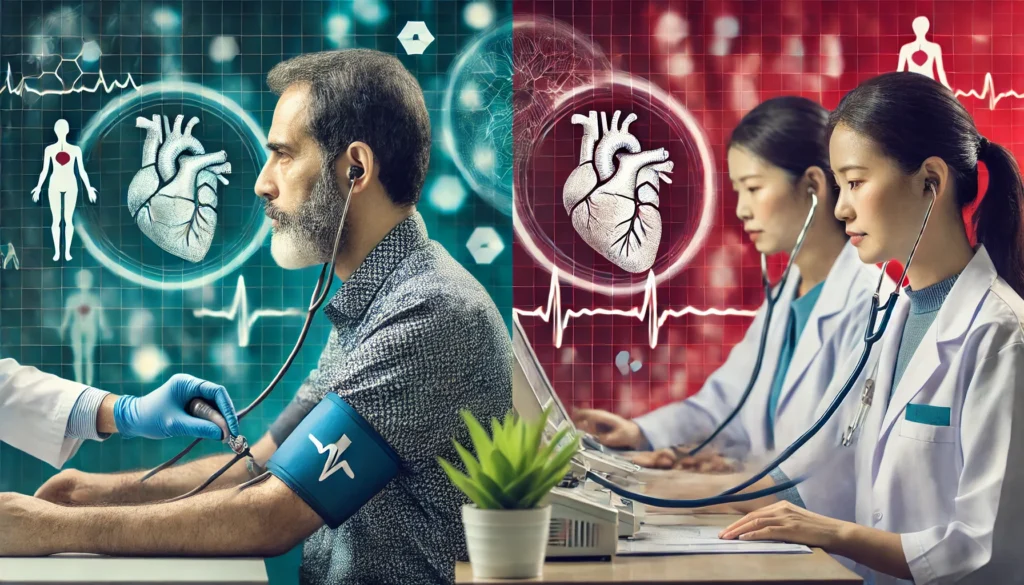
415 37
485 244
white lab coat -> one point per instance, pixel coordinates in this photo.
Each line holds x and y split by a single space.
34 411
943 488
834 331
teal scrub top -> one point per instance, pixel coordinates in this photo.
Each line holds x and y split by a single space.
799 314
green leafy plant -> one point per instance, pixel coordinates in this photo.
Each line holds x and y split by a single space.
511 470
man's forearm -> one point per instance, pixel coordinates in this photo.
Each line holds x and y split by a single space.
257 521
181 479
175 481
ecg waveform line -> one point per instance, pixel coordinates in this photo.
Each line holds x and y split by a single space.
100 81
989 91
648 311
239 312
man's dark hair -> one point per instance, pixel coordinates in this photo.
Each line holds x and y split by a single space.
368 96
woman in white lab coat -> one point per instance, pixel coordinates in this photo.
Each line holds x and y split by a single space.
937 454
777 156
48 417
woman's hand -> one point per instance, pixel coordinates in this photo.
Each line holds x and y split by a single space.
877 549
610 429
706 461
660 459
784 521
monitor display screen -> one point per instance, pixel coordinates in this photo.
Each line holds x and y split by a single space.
538 380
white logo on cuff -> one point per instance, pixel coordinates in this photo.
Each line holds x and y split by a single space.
334 452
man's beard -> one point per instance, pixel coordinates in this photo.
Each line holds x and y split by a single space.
307 236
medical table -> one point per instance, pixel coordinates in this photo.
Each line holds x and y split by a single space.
69 569
817 568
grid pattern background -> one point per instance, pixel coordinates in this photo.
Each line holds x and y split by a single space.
718 60
226 46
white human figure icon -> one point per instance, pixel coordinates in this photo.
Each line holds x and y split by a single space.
63 186
933 53
85 315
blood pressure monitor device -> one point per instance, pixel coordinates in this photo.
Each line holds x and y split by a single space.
582 527
585 522
335 461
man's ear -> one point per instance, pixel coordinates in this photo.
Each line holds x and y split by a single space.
360 155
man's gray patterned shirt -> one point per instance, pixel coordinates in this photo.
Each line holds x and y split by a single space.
416 338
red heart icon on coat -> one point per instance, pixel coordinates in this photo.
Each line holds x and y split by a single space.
63 158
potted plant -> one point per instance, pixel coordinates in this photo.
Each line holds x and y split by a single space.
508 522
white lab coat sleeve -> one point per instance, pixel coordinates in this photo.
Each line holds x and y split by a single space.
949 552
694 419
34 411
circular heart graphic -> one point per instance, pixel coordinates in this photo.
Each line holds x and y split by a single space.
158 232
919 57
610 225
63 158
173 197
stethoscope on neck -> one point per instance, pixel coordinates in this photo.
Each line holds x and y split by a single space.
238 444
771 299
871 337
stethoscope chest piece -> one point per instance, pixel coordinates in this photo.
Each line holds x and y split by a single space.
867 396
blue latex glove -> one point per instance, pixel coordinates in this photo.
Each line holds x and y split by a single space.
161 413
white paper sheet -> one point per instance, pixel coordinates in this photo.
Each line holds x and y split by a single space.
681 540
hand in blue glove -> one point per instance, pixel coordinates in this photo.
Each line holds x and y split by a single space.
161 413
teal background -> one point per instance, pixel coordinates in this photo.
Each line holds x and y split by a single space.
159 41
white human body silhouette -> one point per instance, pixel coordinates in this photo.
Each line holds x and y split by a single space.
933 53
65 158
84 313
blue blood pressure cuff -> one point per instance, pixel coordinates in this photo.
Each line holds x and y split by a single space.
334 460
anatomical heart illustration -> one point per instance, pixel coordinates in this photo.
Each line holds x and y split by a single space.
612 197
173 197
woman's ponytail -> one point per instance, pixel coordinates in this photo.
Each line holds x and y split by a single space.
999 218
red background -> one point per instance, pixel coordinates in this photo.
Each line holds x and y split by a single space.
762 61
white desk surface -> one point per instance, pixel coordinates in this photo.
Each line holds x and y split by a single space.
93 569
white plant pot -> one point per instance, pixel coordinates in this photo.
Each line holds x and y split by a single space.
506 544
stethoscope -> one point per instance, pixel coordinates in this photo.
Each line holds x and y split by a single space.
871 337
868 393
771 299
238 444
